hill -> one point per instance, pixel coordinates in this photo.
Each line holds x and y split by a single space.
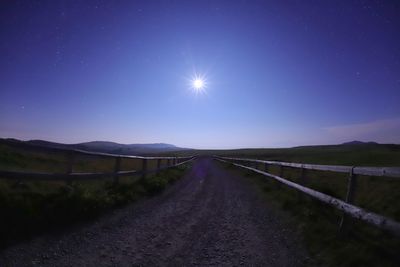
356 143
97 146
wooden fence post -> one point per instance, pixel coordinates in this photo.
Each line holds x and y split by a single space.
351 189
280 171
302 178
70 163
158 165
117 167
256 165
266 167
144 168
302 181
281 168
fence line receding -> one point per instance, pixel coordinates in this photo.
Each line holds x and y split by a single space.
346 206
70 176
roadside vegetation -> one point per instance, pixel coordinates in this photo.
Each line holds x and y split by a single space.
358 244
28 208
352 155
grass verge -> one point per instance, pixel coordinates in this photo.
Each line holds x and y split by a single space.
361 245
34 207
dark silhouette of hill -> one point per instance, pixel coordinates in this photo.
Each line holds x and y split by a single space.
98 146
357 143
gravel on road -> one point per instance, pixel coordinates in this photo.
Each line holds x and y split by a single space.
210 217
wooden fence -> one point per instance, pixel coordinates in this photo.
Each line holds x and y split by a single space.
68 176
346 206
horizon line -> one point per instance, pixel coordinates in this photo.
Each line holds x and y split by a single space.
208 148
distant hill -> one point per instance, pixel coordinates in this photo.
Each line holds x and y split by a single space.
101 146
352 143
130 149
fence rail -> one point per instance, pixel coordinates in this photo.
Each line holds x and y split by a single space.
346 206
372 171
70 176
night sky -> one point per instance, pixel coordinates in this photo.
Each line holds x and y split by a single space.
277 73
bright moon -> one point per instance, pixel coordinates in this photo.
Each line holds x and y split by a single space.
198 84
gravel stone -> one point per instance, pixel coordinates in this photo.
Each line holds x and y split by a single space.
210 217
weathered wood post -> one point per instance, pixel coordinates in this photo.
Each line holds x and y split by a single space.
281 169
302 178
144 168
266 167
351 189
256 164
158 165
70 163
302 181
117 167
169 162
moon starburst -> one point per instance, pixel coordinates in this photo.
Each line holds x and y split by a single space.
198 83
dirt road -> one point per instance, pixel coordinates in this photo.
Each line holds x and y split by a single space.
211 216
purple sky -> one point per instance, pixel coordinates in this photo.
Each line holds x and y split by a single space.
278 73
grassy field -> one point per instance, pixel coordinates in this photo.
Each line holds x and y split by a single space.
29 208
361 244
353 155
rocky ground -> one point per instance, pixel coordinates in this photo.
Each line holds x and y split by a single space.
211 216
